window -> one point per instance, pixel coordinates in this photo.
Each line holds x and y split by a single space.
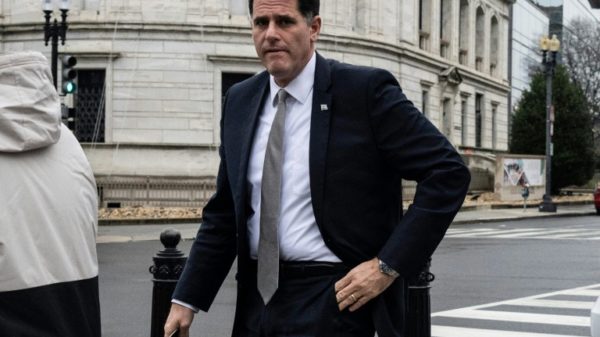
494 46
463 121
478 119
494 123
424 23
445 27
447 117
425 102
89 106
479 39
229 79
463 33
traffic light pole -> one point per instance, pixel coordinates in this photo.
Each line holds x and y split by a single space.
54 31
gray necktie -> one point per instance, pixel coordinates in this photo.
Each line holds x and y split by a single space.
270 199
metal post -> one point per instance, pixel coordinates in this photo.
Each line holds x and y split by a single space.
547 205
419 304
54 31
54 28
168 265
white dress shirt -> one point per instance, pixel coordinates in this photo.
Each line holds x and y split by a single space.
299 236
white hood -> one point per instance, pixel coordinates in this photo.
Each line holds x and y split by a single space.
29 106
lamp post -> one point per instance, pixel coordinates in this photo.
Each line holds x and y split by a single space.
549 49
54 30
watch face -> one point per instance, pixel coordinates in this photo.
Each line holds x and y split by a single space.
384 268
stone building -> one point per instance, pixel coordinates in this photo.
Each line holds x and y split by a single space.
152 73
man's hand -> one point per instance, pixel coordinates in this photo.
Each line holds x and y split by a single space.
180 318
363 283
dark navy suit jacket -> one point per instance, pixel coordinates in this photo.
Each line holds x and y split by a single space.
365 137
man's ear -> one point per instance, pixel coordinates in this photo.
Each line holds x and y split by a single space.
315 28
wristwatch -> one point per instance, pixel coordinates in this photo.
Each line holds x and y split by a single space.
384 268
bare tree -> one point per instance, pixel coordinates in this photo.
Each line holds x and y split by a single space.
581 56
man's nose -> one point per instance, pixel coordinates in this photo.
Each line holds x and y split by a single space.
272 32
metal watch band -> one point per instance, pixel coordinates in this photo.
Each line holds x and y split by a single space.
384 268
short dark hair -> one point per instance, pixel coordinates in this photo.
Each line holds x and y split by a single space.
308 8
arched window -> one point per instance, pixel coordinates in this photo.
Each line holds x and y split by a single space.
424 23
479 38
445 27
494 46
463 33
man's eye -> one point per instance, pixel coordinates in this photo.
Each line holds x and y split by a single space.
286 22
260 23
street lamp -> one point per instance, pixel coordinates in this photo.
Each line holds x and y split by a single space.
549 62
54 30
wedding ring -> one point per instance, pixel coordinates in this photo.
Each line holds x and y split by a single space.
353 297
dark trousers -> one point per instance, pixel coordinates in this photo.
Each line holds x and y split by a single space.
303 306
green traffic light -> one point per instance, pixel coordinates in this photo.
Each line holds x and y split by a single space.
69 87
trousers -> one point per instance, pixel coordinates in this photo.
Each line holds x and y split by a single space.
304 305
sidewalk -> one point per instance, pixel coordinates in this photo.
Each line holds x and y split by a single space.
115 233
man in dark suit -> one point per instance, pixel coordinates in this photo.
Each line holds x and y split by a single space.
319 149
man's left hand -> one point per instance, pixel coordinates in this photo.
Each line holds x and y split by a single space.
363 283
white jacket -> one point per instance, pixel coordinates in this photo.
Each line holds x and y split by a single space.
48 197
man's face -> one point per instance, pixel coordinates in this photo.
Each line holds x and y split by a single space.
284 41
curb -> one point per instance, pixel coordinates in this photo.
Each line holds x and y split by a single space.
152 221
546 215
520 205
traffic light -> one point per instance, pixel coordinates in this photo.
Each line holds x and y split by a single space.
68 74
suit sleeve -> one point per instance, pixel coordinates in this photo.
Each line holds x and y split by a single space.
416 150
214 248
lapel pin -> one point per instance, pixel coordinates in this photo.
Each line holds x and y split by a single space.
324 107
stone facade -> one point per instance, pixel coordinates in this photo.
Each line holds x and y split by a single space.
165 64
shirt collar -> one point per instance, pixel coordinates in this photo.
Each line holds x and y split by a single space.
300 87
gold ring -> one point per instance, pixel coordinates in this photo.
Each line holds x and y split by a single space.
353 297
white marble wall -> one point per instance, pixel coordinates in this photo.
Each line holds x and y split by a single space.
164 62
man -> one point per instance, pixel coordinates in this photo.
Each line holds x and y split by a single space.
48 211
329 172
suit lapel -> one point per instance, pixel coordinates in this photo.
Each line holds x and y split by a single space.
319 134
248 130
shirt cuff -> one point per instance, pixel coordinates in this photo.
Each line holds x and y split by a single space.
189 306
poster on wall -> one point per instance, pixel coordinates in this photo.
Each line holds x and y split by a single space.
518 172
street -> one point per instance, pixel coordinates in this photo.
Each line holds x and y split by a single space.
535 263
487 263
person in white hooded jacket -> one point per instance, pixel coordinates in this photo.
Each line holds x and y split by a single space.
48 211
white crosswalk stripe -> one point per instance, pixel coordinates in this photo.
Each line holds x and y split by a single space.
577 233
472 321
450 331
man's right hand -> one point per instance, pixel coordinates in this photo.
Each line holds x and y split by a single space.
180 318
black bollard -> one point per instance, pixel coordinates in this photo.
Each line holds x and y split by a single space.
419 304
168 265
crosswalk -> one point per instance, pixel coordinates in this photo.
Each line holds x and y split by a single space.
563 313
580 232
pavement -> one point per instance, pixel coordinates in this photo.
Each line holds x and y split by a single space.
115 232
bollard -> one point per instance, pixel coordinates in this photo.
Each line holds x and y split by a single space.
418 323
168 265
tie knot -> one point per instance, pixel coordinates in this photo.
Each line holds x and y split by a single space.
281 96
